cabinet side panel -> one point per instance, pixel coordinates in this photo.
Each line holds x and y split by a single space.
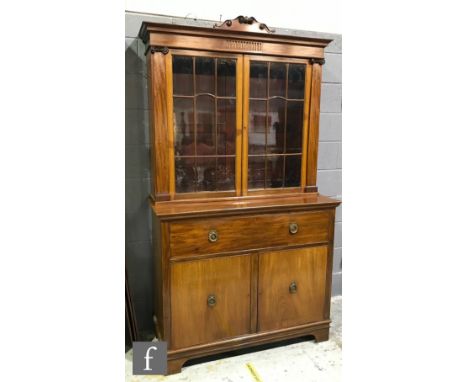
326 308
239 122
149 65
159 125
254 292
306 126
170 125
158 277
312 152
245 122
166 281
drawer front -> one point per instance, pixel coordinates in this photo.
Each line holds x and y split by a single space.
291 287
217 235
210 300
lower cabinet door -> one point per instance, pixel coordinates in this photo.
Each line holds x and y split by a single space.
210 300
291 287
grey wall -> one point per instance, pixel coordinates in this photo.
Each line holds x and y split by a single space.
137 164
329 155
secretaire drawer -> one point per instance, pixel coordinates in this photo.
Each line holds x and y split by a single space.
214 235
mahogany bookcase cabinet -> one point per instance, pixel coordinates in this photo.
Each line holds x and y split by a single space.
243 241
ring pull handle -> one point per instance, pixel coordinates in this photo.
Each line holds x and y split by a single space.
213 236
293 228
211 301
293 287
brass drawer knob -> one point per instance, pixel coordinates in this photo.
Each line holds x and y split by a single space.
293 287
213 236
293 228
211 300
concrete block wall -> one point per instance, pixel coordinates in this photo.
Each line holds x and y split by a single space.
330 147
138 256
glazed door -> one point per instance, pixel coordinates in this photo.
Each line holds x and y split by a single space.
210 300
276 119
239 124
291 287
205 91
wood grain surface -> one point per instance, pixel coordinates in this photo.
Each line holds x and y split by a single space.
247 232
193 321
279 308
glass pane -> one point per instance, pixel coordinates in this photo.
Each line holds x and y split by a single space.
226 78
182 72
277 79
293 171
296 78
206 174
257 122
256 173
225 173
185 174
274 171
275 130
206 133
226 126
294 127
205 125
258 79
183 126
204 75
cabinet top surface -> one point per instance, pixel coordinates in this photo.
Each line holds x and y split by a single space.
241 205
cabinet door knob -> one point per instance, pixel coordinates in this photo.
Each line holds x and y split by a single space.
213 236
293 287
211 301
293 228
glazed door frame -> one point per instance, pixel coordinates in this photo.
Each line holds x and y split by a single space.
246 116
171 126
162 139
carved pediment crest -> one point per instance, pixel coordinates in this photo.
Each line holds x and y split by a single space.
244 24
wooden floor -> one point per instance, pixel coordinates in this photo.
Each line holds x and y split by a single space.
300 360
